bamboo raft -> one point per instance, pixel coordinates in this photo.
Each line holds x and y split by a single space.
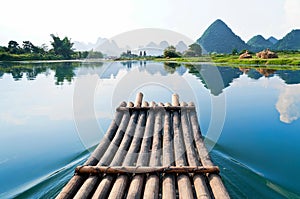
149 151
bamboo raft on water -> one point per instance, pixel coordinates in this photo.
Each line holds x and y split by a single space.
149 151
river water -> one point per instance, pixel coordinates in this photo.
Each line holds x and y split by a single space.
54 113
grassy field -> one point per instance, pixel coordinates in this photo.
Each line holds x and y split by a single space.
289 59
4 56
285 61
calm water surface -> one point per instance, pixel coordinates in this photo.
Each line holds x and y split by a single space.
52 114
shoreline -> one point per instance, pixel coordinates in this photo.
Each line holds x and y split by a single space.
220 60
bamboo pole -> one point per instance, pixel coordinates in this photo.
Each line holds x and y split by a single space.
76 181
138 100
215 181
137 183
200 185
167 108
168 184
103 188
152 182
145 169
88 186
118 189
183 181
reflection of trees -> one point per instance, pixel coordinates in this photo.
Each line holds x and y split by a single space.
17 73
128 64
208 75
63 71
289 76
170 67
32 73
17 70
244 70
266 72
253 74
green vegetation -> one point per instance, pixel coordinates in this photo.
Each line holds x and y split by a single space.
62 47
290 59
290 42
63 71
62 50
185 59
286 60
194 50
259 43
219 38
170 52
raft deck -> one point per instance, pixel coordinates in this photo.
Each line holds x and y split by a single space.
149 151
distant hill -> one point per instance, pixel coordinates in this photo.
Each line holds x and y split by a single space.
220 38
164 44
273 40
181 46
290 42
82 46
109 48
258 43
152 45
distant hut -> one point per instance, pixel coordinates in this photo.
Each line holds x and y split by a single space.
244 70
266 72
266 54
245 55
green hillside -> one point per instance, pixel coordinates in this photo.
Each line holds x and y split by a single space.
273 40
290 42
259 43
219 38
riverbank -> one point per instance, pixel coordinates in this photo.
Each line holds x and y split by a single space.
290 59
285 59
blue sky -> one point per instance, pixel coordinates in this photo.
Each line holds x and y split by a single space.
87 20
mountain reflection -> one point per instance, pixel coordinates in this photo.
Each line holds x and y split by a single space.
215 79
208 75
289 77
64 71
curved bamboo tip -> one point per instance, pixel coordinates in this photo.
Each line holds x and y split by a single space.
168 104
175 99
161 104
138 99
130 104
183 104
191 104
152 104
123 104
145 104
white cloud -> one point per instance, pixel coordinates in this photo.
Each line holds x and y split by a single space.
87 20
13 119
292 12
288 104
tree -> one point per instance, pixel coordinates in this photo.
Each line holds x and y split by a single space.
28 47
194 50
170 52
3 49
234 51
13 47
95 54
62 47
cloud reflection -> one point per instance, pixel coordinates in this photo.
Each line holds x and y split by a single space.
288 104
